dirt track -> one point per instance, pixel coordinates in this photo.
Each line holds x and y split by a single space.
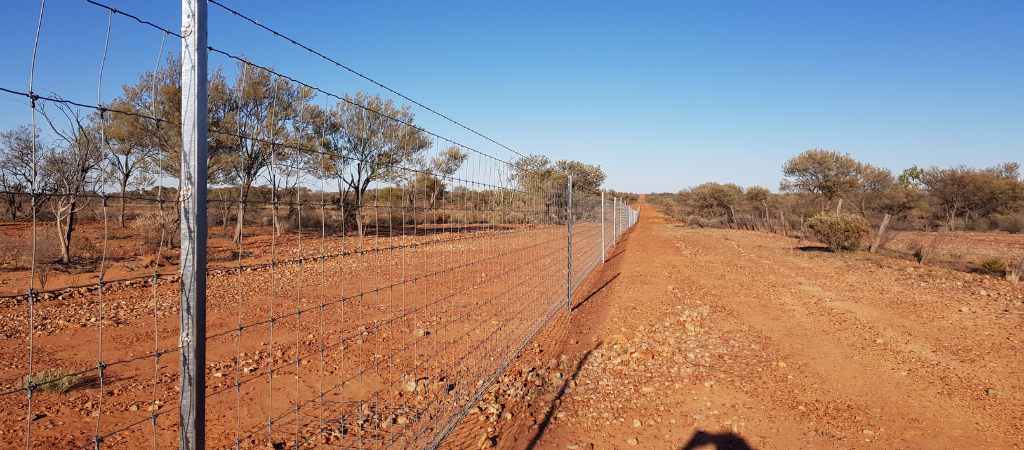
692 337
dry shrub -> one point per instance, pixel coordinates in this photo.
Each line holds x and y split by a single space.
992 266
50 381
713 222
507 218
1015 271
153 229
10 253
1013 223
840 232
84 247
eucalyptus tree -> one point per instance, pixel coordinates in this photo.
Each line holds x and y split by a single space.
259 112
19 169
73 164
439 170
548 183
368 139
822 173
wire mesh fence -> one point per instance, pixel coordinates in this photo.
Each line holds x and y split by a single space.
328 274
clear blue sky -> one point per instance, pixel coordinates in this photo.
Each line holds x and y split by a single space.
662 95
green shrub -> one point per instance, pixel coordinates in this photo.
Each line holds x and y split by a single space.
992 266
50 381
841 232
707 222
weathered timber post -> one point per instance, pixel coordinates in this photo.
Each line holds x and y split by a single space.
881 232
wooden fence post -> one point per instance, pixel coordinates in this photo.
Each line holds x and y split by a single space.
881 232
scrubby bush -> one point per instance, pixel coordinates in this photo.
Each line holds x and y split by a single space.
1013 223
153 228
916 249
992 266
979 225
841 232
708 222
84 247
51 381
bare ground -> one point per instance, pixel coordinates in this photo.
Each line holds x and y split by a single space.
684 338
700 338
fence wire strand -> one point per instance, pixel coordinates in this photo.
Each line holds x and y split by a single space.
346 308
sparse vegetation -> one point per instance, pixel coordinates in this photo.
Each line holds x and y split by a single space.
841 232
992 266
1012 223
50 381
153 229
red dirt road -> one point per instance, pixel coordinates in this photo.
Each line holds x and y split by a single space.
707 338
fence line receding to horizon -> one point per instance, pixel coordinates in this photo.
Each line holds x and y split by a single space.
244 260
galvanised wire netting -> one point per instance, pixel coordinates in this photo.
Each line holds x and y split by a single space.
364 280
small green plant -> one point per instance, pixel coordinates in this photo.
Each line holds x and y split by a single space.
992 266
841 232
50 381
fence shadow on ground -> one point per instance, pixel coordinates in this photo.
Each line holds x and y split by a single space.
595 291
553 406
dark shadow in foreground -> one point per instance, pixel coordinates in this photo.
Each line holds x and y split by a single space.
723 441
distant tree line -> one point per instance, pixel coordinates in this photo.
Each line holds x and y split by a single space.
816 181
270 143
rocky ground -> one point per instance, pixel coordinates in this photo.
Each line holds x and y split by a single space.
684 339
693 338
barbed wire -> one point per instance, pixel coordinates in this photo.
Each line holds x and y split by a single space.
332 60
284 145
336 63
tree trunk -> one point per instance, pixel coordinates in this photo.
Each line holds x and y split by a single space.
64 229
782 218
12 203
120 218
237 239
881 232
273 213
839 207
224 218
